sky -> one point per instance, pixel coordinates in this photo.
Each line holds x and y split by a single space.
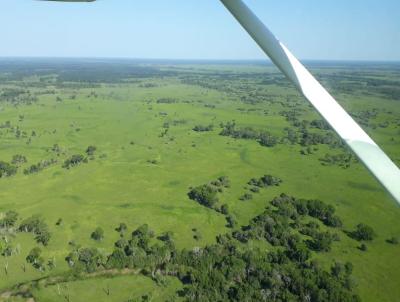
199 29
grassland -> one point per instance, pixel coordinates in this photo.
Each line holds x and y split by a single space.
142 173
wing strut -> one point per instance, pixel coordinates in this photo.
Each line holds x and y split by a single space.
377 162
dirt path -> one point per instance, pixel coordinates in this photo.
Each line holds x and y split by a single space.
24 289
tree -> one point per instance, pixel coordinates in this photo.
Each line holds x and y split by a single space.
98 234
363 232
206 195
36 225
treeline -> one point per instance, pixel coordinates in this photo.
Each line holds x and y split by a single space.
9 169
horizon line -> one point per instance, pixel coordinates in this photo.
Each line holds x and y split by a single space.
258 60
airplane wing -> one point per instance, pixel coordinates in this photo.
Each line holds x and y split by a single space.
373 157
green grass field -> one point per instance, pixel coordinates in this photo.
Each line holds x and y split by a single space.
139 176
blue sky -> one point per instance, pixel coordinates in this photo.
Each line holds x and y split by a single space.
199 29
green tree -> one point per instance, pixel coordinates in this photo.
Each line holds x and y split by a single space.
97 234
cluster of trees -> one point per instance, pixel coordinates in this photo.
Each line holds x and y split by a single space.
17 96
343 160
36 225
7 169
312 207
35 168
202 128
258 183
77 159
364 117
312 138
18 159
263 137
320 124
279 226
206 194
302 135
227 270
74 160
363 232
265 181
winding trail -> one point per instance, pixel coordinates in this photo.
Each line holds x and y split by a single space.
23 290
